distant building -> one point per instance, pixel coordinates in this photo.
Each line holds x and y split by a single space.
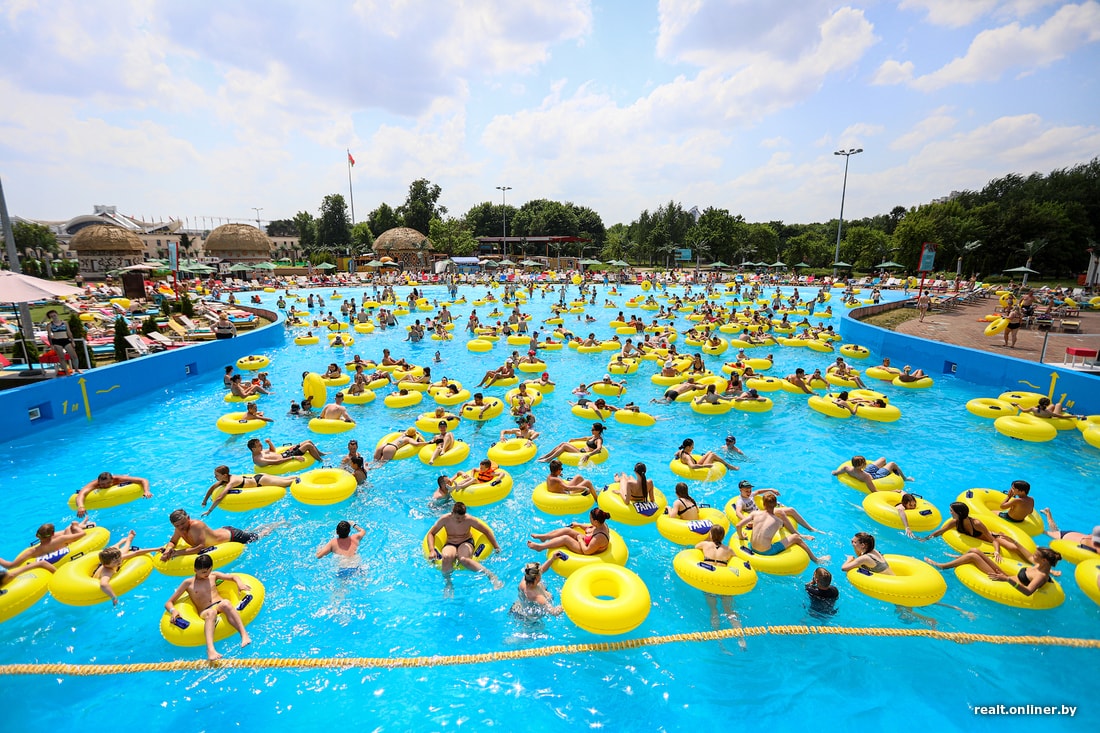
100 248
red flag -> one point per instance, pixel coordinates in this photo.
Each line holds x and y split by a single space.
351 160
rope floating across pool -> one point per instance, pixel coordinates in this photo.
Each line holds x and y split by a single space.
92 670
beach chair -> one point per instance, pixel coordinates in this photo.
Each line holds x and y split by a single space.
181 332
192 326
1071 327
137 347
159 338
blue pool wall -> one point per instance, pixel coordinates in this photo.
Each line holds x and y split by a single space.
1001 373
60 402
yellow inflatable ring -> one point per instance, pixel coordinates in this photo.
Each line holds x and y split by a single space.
1092 437
396 400
790 561
534 396
636 514
713 472
987 502
479 345
532 367
764 384
110 496
336 326
664 381
991 407
764 405
236 423
482 548
608 390
323 486
893 482
561 504
707 408
313 386
457 454
838 381
721 580
493 408
1025 427
1050 594
716 350
74 585
178 566
605 599
922 383
690 532
519 339
1086 575
330 427
253 362
855 351
881 506
339 381
412 386
574 459
449 400
1025 400
884 375
629 417
482 494
234 398
365 327
826 406
23 591
995 327
306 340
253 497
363 398
512 452
890 413
296 463
627 366
248 604
1074 552
427 422
914 583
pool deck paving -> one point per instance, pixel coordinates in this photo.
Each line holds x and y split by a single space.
965 326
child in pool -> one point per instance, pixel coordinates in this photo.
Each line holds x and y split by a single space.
203 592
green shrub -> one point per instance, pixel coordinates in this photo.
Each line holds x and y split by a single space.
121 332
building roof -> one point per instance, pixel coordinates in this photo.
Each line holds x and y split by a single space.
401 238
237 238
103 237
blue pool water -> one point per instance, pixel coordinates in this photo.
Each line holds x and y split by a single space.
398 608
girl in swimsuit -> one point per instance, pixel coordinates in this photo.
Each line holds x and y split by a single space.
593 445
638 488
110 562
534 598
712 548
1029 579
867 557
228 483
386 451
684 507
582 539
683 454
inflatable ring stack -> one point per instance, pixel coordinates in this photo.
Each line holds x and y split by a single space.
74 584
512 452
914 583
189 630
730 580
605 599
323 486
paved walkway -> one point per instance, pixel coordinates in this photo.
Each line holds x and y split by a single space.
962 327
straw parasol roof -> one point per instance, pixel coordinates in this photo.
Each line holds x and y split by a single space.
401 238
237 238
106 238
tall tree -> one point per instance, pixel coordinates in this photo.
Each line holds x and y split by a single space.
488 219
452 236
334 226
361 238
282 228
382 219
307 231
37 242
422 205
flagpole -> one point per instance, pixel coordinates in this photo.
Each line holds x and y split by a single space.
351 191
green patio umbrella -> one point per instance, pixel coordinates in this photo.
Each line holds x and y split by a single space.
239 268
587 262
488 263
531 263
374 263
801 265
717 263
777 263
1024 269
891 265
842 264
507 263
263 266
325 266
618 263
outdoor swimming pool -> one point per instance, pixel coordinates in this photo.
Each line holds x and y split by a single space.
397 609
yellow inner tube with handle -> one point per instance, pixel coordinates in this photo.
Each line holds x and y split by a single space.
605 599
189 629
914 583
74 584
723 580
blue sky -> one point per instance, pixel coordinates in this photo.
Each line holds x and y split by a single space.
205 109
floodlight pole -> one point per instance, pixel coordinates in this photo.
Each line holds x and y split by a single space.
504 218
13 261
847 154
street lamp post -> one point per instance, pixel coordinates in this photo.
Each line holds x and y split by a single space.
847 154
504 217
258 209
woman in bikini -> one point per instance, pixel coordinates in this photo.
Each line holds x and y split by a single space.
386 451
592 445
636 488
582 539
684 507
712 548
683 454
964 524
227 483
1027 580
